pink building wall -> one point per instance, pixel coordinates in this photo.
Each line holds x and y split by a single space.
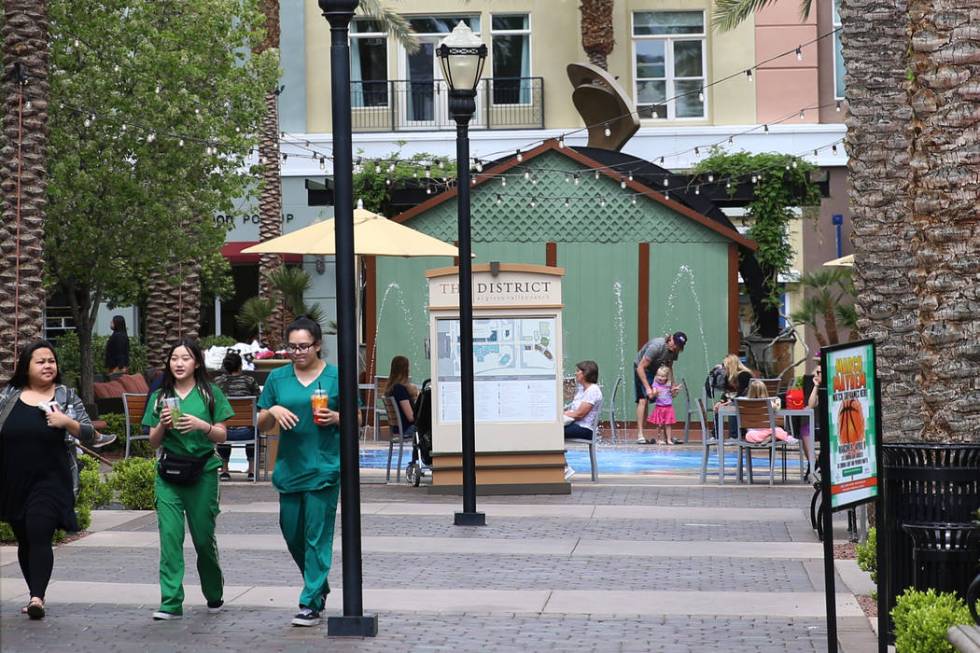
786 85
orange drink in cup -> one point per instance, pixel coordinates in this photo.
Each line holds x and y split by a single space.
319 401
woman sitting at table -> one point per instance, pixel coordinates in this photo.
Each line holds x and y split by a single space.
400 388
737 377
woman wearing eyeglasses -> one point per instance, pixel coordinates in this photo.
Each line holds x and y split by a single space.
307 472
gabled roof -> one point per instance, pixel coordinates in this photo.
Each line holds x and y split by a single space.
502 166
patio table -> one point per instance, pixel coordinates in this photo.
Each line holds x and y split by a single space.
724 412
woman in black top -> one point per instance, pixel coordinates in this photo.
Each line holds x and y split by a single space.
399 387
117 347
36 481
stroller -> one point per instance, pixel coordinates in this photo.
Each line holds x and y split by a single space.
422 446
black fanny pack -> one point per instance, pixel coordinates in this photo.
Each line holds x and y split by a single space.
181 470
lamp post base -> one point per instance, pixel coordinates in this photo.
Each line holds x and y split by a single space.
363 626
470 519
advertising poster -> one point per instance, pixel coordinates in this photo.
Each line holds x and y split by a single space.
851 422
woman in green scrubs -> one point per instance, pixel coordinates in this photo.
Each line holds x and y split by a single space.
191 435
307 472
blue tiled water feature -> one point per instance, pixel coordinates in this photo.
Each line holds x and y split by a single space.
646 459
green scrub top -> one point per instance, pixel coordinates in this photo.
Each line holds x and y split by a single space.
309 454
192 443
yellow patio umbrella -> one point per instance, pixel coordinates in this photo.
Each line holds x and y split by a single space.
374 235
842 262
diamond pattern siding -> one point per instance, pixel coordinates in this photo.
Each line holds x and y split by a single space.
585 219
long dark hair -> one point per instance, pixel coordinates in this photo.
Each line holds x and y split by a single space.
119 323
398 374
200 373
20 378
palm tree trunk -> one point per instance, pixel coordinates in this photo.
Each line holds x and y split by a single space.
270 195
270 214
173 309
945 167
597 30
23 181
912 134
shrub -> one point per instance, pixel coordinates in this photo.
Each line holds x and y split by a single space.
867 554
217 341
922 619
132 480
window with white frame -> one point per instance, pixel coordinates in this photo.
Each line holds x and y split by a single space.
669 64
511 37
838 55
368 64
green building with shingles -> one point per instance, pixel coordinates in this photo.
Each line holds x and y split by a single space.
637 265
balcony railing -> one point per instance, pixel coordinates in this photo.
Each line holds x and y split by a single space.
403 105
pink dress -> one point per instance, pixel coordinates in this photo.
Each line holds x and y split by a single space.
663 409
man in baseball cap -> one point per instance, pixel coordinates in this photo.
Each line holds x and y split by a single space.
656 352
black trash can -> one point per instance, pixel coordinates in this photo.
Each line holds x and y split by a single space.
944 555
926 484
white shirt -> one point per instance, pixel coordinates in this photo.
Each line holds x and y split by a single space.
591 395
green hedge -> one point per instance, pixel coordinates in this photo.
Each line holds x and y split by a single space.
922 619
133 481
867 555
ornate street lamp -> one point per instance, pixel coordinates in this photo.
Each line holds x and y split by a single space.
461 55
353 622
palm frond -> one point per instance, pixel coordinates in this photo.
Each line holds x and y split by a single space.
292 283
391 22
729 14
254 313
848 316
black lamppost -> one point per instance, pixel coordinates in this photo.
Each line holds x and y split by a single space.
353 622
462 54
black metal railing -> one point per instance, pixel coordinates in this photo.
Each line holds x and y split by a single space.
413 105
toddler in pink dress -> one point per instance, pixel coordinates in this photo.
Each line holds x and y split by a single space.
662 414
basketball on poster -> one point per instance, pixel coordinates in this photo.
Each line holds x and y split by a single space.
852 427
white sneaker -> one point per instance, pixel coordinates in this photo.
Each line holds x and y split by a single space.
569 473
160 615
306 617
641 440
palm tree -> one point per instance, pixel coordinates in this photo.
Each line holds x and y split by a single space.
597 30
913 194
23 146
173 309
270 194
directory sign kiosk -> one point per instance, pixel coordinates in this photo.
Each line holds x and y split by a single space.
517 378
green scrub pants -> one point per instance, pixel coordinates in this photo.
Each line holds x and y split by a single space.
200 503
307 522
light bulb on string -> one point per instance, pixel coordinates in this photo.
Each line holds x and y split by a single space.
391 167
597 175
634 200
711 178
561 142
284 157
630 176
567 203
607 132
661 160
567 179
602 202
765 128
473 181
323 163
520 157
428 190
479 165
748 74
622 183
527 175
666 181
755 179
794 163
802 114
533 202
180 143
666 194
728 185
837 106
834 148
697 189
731 140
387 181
701 95
576 179
697 151
503 181
799 53
499 200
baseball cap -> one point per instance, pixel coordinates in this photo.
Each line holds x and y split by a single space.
680 339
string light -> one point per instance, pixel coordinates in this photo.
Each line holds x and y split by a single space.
701 95
607 132
520 157
561 142
576 178
799 53
527 175
630 176
597 175
837 106
500 200
622 182
666 181
748 74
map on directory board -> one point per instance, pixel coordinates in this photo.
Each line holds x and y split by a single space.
514 369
